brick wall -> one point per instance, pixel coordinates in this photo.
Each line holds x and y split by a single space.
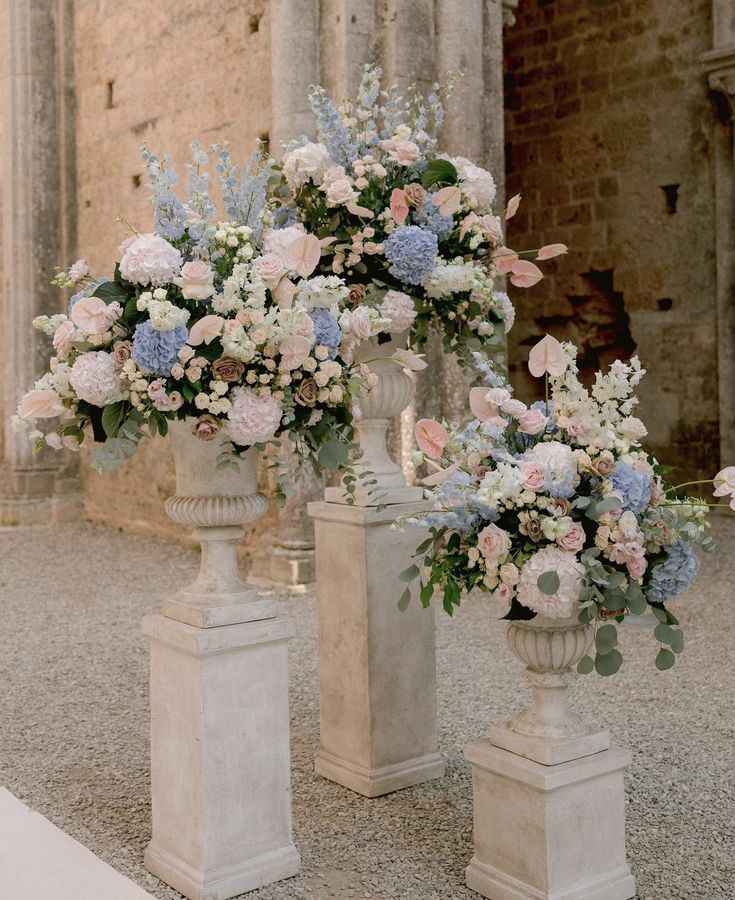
163 74
608 130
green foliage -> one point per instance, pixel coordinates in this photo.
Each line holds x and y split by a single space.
548 582
439 171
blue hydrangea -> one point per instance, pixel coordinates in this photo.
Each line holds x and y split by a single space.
674 576
430 217
86 291
157 351
634 487
560 484
326 330
411 252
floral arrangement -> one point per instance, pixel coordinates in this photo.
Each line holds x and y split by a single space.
411 230
556 510
219 320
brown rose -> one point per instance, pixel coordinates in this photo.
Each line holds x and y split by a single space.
206 427
533 529
227 369
603 465
560 506
415 195
307 392
121 352
356 295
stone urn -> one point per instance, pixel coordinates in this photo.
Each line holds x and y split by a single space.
548 731
217 500
387 399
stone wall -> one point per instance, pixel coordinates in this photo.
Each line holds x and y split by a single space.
162 74
609 130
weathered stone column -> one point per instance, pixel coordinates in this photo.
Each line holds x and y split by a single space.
719 65
38 233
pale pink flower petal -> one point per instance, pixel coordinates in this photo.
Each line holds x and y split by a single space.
325 242
504 259
283 293
447 200
551 250
431 436
359 210
482 408
725 482
467 223
205 330
512 208
302 255
525 273
547 356
440 476
41 404
398 206
410 360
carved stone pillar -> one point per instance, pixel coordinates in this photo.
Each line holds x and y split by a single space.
37 233
719 65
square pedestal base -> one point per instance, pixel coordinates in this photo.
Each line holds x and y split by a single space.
548 832
377 669
548 752
220 756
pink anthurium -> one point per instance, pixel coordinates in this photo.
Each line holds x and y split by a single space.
205 330
525 273
482 408
440 476
512 208
504 259
283 293
547 357
431 436
398 206
552 250
447 200
359 210
302 254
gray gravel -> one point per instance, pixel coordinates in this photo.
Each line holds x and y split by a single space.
73 727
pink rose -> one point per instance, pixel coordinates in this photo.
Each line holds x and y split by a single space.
402 152
63 337
533 476
533 421
398 206
361 325
493 543
41 404
492 227
340 191
196 280
431 436
514 408
632 429
415 195
93 316
574 539
637 566
576 428
270 267
122 352
504 593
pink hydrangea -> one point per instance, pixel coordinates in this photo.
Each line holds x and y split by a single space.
95 377
252 419
148 259
399 308
561 604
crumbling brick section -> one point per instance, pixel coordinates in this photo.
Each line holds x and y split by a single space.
608 131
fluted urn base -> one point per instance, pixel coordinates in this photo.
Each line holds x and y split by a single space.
548 731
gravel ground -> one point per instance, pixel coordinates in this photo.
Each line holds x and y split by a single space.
73 727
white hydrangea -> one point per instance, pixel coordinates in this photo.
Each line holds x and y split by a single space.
399 309
563 603
307 163
324 290
450 278
148 259
165 316
96 379
477 183
505 309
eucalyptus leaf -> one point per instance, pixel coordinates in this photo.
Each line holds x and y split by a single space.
665 659
606 638
409 574
585 665
548 583
663 633
405 600
608 663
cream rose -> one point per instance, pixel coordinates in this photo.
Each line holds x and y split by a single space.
196 280
533 421
493 543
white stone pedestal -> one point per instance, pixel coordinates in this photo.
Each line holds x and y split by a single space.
546 832
220 759
377 671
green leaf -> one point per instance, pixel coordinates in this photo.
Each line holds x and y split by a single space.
405 600
636 602
439 171
585 665
427 592
548 582
665 659
608 663
409 574
606 638
110 291
333 454
112 417
660 613
677 641
663 633
424 545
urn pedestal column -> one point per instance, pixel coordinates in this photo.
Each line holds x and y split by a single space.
377 665
548 795
220 749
